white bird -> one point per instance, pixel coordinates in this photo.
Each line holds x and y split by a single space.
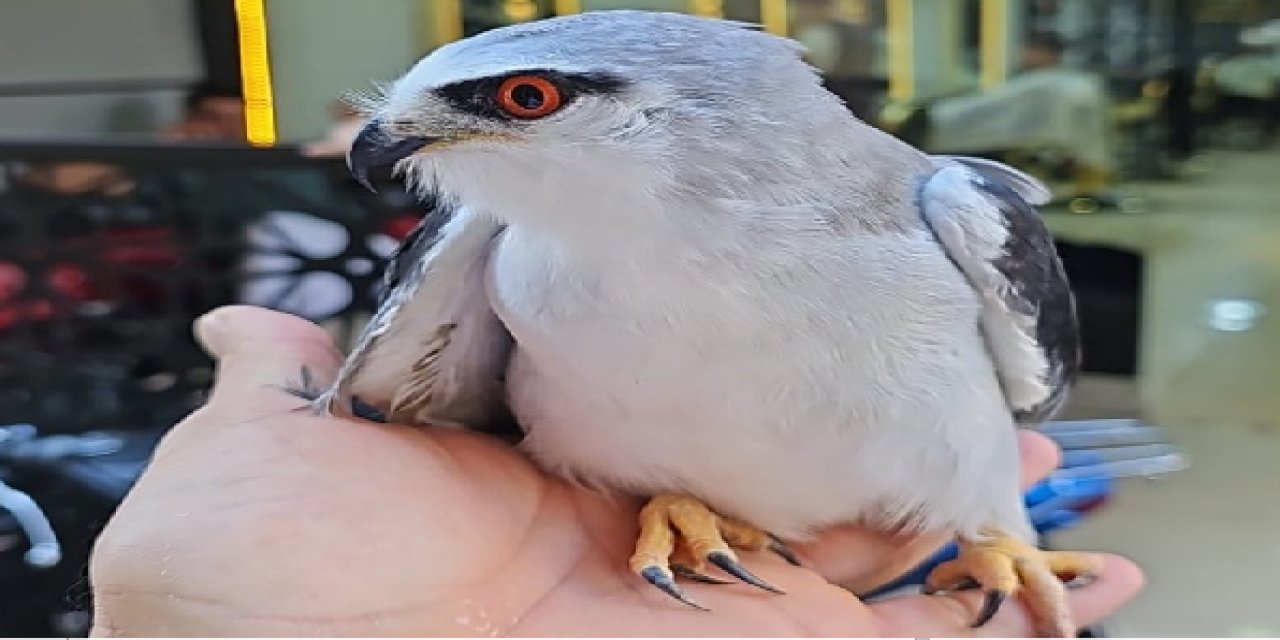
688 272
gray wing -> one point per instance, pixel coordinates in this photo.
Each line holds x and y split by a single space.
980 212
434 352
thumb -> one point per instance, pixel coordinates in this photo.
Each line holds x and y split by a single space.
260 352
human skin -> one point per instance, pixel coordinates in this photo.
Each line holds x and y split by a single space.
255 518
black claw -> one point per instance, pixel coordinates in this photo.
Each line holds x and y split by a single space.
779 547
731 566
362 409
662 580
689 574
990 606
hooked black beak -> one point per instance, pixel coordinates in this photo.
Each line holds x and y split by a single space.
374 147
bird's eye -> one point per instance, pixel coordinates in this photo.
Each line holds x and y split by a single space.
528 97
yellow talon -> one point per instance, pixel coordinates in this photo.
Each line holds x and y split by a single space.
679 532
1004 566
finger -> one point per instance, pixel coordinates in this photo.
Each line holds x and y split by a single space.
861 559
1038 455
259 352
951 615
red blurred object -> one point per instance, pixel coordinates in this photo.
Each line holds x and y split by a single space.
126 259
400 226
121 254
1094 505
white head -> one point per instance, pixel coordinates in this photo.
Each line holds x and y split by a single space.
606 107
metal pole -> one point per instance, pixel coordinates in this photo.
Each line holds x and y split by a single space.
1181 120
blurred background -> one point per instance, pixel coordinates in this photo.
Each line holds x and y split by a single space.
159 158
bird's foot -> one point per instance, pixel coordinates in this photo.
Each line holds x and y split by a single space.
679 536
1002 566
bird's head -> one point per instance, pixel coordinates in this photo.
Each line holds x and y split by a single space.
628 101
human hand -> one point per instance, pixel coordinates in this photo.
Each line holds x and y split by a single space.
257 519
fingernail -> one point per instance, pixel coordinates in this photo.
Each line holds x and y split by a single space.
210 332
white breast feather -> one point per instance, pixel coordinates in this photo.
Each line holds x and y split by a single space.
796 380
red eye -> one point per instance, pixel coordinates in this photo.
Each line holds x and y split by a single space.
528 97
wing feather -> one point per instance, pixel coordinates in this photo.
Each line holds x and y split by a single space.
996 238
434 352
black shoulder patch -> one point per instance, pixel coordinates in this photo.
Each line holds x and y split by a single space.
415 246
1040 289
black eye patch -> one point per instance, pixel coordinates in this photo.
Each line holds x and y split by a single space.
480 96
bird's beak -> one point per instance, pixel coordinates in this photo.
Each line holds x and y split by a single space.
375 147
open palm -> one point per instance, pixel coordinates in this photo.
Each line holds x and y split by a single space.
256 519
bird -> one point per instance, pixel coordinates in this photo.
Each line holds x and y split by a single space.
667 262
